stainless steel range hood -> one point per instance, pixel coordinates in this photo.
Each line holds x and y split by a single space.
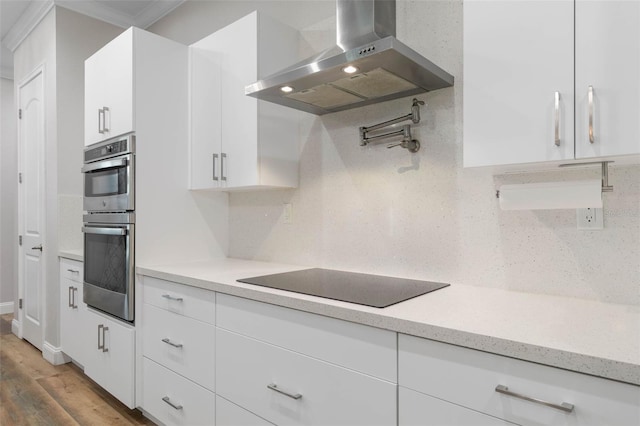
385 68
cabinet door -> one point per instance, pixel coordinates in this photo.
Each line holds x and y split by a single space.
608 60
110 361
73 326
517 55
109 90
229 414
239 112
417 409
205 105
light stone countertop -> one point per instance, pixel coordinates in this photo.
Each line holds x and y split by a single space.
72 254
591 337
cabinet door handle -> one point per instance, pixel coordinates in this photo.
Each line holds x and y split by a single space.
105 110
73 271
557 117
215 158
104 341
169 342
170 297
70 302
590 99
73 298
100 346
222 176
274 387
168 401
564 406
100 114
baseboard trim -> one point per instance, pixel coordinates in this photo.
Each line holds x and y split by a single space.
15 328
6 308
54 354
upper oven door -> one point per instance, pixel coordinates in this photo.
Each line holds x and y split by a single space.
109 185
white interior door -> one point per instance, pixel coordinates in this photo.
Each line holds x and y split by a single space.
31 209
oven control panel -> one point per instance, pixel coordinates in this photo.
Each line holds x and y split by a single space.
110 148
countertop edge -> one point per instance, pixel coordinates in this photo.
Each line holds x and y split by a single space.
592 365
71 254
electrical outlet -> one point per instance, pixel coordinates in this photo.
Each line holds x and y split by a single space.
287 214
590 218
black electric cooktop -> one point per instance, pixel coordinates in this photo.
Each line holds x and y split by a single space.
363 289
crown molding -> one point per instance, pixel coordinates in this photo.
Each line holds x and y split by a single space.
27 23
38 10
156 11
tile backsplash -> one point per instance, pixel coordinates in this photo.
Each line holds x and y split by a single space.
390 212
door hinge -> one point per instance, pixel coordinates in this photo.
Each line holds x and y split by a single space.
20 114
19 240
19 303
19 177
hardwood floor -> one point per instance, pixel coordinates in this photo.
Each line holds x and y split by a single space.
34 392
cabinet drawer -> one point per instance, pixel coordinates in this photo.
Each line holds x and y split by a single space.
417 409
182 299
182 344
71 270
328 394
192 404
469 378
359 347
229 414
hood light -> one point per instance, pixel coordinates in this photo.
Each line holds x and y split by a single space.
350 69
287 89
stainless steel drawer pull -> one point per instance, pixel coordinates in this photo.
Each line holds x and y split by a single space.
168 401
100 346
557 118
590 99
274 387
170 297
215 158
73 271
74 305
169 342
564 406
70 295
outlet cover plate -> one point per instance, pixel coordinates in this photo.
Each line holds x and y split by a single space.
590 219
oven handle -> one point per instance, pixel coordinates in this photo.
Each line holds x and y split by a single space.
102 165
104 231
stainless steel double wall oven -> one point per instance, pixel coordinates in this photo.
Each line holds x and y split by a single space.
109 226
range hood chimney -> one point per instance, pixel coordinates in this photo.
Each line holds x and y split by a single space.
368 65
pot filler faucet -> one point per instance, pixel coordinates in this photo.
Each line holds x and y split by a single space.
413 145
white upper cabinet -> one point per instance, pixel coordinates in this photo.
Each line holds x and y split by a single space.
238 142
135 84
608 61
520 87
108 105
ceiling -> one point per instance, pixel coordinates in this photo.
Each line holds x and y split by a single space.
19 17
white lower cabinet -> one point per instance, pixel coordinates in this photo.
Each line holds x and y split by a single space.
288 388
174 400
73 312
178 353
418 409
110 362
229 414
470 378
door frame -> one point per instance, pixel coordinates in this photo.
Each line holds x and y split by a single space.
39 69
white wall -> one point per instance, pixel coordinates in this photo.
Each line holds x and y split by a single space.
389 212
8 197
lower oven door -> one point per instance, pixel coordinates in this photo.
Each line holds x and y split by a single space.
109 268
